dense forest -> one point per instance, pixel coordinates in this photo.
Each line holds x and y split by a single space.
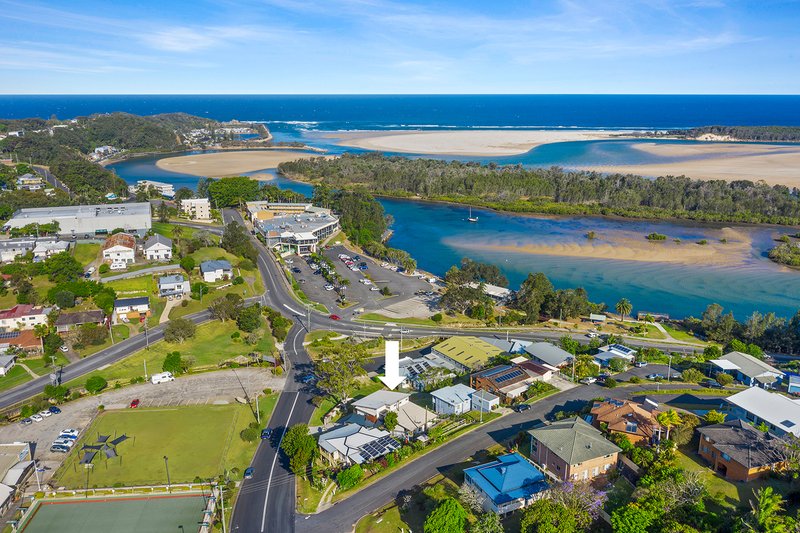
786 253
554 190
744 133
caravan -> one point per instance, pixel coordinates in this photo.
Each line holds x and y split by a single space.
163 377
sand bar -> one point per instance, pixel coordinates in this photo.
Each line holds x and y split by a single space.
469 142
229 163
775 164
620 246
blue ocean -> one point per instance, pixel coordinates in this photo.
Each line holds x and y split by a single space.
437 236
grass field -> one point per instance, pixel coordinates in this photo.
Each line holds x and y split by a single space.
212 253
681 335
123 515
165 229
85 253
9 300
211 344
199 440
140 286
251 287
458 320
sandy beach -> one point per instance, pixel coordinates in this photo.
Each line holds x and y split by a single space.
229 163
621 246
469 142
775 164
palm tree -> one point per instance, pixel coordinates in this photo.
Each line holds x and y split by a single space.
765 512
669 419
623 307
177 232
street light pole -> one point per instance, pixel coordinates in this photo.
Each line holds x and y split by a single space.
166 465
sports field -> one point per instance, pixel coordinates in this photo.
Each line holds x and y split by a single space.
121 515
199 440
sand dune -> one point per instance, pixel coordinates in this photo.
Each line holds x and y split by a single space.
775 164
468 142
229 163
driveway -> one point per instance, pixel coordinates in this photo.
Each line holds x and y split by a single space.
208 388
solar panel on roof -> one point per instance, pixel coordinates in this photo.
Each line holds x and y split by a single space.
9 335
510 375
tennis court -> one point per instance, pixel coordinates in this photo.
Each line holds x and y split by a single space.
155 514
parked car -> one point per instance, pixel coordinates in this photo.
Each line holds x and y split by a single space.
640 364
55 448
335 317
26 421
711 384
656 376
296 270
73 433
248 472
64 442
45 413
135 403
55 410
374 288
522 407
328 287
67 436
266 434
591 334
64 348
308 378
588 380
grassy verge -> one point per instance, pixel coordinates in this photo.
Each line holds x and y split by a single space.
681 334
15 377
140 460
457 320
85 253
703 391
121 332
308 497
211 345
212 253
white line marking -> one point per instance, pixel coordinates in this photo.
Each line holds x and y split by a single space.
274 460
292 310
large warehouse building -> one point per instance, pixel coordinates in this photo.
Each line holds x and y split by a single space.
84 221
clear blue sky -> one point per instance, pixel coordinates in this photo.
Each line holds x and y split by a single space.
394 46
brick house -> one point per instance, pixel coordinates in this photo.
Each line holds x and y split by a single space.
637 421
571 449
740 452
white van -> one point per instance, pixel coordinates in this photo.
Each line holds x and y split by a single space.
163 377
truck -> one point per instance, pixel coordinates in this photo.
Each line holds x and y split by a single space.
163 377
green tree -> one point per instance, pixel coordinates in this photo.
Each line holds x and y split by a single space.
724 379
64 299
692 375
338 369
547 516
569 344
488 523
631 518
179 330
300 447
714 417
448 517
617 364
236 240
765 512
532 295
624 308
229 192
390 420
226 307
249 318
62 267
173 363
668 419
56 393
95 384
350 477
188 264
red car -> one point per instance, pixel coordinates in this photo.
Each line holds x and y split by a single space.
135 404
335 317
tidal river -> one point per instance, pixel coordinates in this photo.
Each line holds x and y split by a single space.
679 278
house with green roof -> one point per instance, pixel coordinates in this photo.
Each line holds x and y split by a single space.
466 353
571 449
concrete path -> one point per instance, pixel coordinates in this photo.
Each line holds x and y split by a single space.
167 308
28 370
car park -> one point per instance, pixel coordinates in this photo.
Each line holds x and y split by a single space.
248 472
266 434
135 403
54 410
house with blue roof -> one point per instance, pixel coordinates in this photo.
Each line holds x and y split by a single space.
508 483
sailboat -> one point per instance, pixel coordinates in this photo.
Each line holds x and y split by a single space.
471 218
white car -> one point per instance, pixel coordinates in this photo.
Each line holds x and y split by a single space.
404 331
90 271
354 268
37 418
328 287
64 348
45 413
374 288
64 442
69 432
289 262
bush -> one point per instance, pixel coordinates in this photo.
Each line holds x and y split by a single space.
104 268
437 317
611 383
179 330
64 299
692 375
635 379
249 434
173 362
246 264
238 280
184 303
724 379
95 384
351 477
187 263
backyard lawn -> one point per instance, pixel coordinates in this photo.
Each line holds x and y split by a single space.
130 287
16 376
201 441
85 253
211 345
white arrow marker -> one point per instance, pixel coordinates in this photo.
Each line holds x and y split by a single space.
392 365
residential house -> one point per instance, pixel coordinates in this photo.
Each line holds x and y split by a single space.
512 346
740 452
10 249
196 208
173 285
158 248
548 354
452 400
426 371
614 351
508 483
15 468
756 405
47 246
637 421
216 270
127 309
7 362
119 250
571 449
466 353
509 382
484 401
411 418
535 371
500 295
68 321
354 444
793 387
748 370
23 316
25 340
